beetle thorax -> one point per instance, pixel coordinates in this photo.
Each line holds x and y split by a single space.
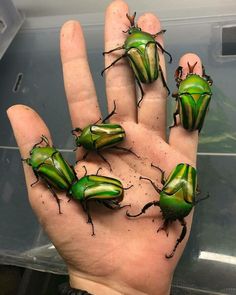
137 38
173 208
41 155
86 139
194 84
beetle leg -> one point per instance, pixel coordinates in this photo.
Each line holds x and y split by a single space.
126 188
126 150
74 150
158 33
56 197
174 118
84 157
180 239
69 197
198 191
163 80
37 179
207 77
175 95
112 50
44 139
105 160
112 64
142 92
114 205
38 143
147 206
178 75
97 171
85 171
27 160
111 204
113 112
163 180
86 210
75 131
164 51
164 227
202 199
153 184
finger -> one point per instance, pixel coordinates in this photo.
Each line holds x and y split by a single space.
178 135
28 128
120 84
79 86
152 111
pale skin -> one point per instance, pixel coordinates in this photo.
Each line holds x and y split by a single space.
126 256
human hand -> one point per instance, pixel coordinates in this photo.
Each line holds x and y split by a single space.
126 256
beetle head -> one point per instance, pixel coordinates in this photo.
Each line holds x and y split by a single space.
133 27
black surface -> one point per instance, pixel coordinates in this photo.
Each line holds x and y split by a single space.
229 40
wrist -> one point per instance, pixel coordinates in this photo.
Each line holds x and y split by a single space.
95 286
92 287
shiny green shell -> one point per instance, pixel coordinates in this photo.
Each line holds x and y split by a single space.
95 187
194 95
100 136
141 50
48 163
177 196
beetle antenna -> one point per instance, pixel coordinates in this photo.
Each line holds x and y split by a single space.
191 68
131 19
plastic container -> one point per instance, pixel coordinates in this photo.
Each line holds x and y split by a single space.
10 22
208 265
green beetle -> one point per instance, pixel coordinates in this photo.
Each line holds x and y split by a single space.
105 190
192 99
141 50
97 137
48 164
177 198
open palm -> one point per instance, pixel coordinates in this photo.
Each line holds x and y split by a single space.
126 256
